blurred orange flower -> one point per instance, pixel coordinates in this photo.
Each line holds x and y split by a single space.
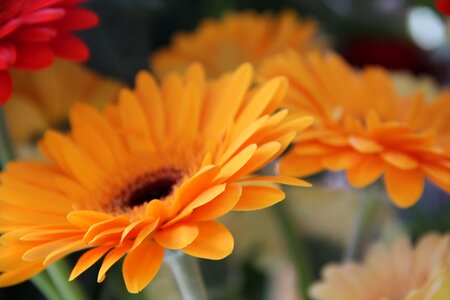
151 173
222 45
41 99
402 272
364 126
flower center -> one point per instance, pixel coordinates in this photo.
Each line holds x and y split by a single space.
153 185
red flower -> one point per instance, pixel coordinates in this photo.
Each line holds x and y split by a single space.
33 32
443 6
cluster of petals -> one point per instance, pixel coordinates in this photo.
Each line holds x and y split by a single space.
222 45
401 272
364 126
33 32
153 172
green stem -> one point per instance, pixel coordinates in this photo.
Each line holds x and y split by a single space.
187 275
59 273
297 251
44 284
6 149
368 208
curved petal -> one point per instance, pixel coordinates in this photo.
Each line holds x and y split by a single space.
219 206
110 259
141 265
404 187
87 260
214 241
71 47
296 165
400 160
177 236
366 171
258 197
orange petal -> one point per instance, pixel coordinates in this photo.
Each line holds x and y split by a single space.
279 179
300 165
219 116
177 236
364 145
98 228
144 233
86 218
20 274
150 98
440 176
341 160
141 265
257 197
194 186
63 251
207 196
110 259
156 209
214 241
262 156
236 163
87 260
399 160
404 187
48 234
134 229
42 250
312 148
366 171
258 102
241 139
219 206
201 199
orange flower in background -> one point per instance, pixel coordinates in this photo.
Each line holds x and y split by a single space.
401 272
33 32
222 45
151 173
364 126
42 98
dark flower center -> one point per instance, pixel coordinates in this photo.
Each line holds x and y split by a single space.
153 185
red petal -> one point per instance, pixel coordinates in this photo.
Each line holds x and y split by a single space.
77 19
443 6
7 55
35 34
33 56
10 27
5 86
70 47
41 4
44 15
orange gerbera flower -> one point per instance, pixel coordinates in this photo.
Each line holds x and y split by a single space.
151 173
402 272
222 45
364 126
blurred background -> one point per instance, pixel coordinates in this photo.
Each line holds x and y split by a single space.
402 35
